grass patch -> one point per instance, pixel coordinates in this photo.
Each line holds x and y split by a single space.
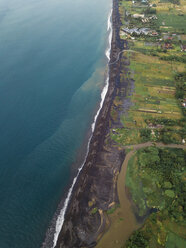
153 96
156 179
94 210
113 209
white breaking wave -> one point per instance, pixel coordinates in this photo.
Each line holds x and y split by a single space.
61 216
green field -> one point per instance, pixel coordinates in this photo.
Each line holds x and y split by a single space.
153 97
154 69
156 179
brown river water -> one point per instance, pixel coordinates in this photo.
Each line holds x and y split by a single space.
122 221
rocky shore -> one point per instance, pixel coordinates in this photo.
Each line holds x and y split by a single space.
96 188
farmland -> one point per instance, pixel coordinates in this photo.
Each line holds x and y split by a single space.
154 64
153 69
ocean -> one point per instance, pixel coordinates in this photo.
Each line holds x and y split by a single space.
52 75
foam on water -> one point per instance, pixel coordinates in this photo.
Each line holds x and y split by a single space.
61 216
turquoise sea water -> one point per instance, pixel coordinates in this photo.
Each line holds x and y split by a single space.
52 64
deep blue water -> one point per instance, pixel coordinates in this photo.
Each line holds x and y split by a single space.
52 66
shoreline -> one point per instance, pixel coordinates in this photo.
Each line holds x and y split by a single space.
101 185
82 180
61 217
141 209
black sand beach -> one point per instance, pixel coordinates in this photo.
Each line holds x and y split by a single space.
96 188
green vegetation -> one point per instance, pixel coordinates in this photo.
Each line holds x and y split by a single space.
156 95
137 240
94 210
180 85
145 134
173 21
158 176
158 69
112 210
174 58
154 98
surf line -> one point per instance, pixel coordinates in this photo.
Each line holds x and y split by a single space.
61 217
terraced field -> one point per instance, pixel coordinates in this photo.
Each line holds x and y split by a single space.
154 71
155 176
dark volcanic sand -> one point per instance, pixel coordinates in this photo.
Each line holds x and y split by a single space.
97 184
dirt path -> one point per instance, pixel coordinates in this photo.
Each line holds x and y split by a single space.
123 221
147 144
118 57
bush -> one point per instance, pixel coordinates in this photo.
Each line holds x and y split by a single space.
137 240
175 1
166 136
180 90
150 11
164 121
180 85
174 58
145 134
180 77
170 193
94 210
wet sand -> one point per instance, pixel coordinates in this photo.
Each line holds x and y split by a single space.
96 187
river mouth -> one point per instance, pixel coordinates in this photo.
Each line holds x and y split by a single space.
122 221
